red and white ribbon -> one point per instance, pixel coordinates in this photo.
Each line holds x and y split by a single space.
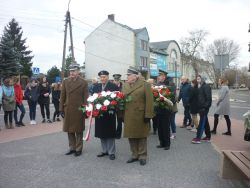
87 136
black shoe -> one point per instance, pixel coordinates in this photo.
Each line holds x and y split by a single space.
227 133
54 120
43 121
49 121
131 160
70 152
166 148
18 124
102 154
112 157
58 119
213 132
142 162
78 153
21 124
160 146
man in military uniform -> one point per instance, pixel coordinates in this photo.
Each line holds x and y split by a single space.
74 93
137 115
163 115
105 126
118 82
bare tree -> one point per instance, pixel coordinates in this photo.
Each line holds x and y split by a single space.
222 46
192 46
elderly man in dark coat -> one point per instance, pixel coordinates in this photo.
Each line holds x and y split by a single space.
74 93
105 126
137 115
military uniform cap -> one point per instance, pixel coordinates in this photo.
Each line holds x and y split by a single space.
132 71
162 72
116 76
103 72
74 66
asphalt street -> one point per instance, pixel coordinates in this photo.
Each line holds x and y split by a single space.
40 162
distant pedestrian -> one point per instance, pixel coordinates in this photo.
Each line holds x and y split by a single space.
32 94
19 103
56 92
184 96
105 126
94 81
205 101
194 108
44 99
9 103
74 93
117 81
137 115
1 96
172 119
223 107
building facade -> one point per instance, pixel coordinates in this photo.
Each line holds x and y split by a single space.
114 47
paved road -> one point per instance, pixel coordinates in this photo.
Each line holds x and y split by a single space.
40 162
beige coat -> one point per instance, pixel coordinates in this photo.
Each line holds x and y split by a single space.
73 95
141 106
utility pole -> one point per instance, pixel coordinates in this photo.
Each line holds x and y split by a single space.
67 21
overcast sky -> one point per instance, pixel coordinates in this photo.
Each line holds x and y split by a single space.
43 22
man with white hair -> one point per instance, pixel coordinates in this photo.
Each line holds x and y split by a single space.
184 96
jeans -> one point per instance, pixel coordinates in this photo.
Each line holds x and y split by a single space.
172 122
6 115
32 107
203 124
46 106
56 113
187 116
22 109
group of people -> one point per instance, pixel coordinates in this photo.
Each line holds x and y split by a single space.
136 116
197 99
36 92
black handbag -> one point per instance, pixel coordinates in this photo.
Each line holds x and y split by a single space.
247 135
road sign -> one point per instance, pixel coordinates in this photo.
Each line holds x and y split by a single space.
35 70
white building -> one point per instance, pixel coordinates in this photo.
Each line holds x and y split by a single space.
114 47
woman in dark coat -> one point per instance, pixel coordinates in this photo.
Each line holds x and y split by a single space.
105 126
56 92
193 101
44 99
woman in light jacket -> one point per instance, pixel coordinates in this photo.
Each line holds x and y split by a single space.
223 107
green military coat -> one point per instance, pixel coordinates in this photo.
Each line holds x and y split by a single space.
73 95
141 106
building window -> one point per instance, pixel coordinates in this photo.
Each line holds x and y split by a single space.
144 45
144 62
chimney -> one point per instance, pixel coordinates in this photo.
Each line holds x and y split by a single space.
111 17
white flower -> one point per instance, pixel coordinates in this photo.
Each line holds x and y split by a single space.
161 87
98 106
95 95
113 95
104 93
89 107
91 99
106 102
108 92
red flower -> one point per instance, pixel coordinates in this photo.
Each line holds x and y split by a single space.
88 113
155 94
95 113
120 95
161 98
160 91
104 108
113 103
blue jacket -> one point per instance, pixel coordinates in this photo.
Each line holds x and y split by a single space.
185 93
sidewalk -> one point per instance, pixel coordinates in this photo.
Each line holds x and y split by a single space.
219 141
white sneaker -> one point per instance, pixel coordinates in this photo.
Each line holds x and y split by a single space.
172 136
31 122
34 122
194 130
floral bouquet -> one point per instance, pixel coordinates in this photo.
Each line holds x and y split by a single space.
103 102
163 97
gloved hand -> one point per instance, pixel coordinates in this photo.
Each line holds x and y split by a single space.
62 114
146 120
